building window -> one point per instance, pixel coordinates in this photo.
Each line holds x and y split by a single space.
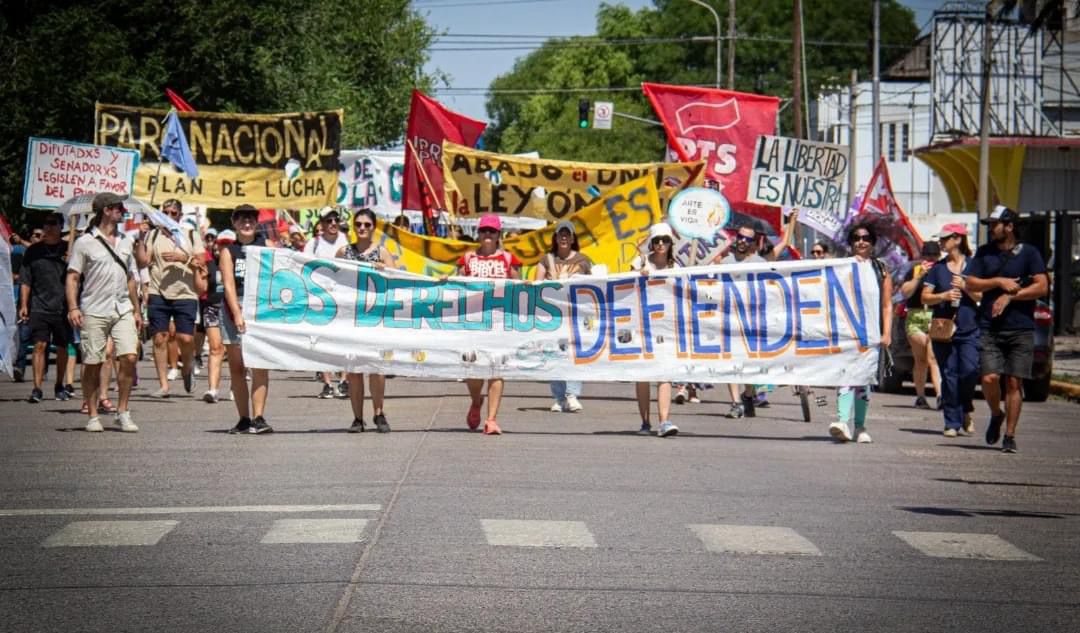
894 141
904 147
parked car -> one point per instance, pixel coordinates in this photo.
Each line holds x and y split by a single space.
1037 389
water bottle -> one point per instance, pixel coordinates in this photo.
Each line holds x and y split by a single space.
955 303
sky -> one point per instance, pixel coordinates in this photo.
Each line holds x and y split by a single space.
525 19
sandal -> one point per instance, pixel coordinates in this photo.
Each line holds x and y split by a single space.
106 406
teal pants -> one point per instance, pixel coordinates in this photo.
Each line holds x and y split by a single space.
852 398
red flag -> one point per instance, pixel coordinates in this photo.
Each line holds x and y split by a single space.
430 123
879 204
721 127
178 102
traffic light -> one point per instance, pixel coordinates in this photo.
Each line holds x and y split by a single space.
583 113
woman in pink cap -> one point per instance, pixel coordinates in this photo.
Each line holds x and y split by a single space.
943 290
488 261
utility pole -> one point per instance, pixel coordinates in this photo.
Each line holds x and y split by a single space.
853 95
984 122
875 125
796 68
731 45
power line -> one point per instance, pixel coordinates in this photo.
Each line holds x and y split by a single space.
480 3
480 46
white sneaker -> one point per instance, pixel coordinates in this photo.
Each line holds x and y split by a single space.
210 397
196 370
840 432
93 425
173 374
556 407
124 423
666 429
950 433
862 437
572 404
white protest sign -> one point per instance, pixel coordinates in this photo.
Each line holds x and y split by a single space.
697 212
789 172
804 322
603 112
371 179
59 170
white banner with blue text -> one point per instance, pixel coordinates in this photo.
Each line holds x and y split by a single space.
790 323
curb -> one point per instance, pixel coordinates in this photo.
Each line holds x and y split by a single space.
1065 389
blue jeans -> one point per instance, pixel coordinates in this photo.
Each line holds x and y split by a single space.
562 388
959 363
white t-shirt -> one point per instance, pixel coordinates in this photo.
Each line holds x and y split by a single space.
321 247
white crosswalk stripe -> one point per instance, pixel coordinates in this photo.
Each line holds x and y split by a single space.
316 531
753 539
964 545
521 533
110 533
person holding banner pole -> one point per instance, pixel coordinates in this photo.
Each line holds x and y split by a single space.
233 263
862 238
744 252
489 261
661 257
367 251
565 260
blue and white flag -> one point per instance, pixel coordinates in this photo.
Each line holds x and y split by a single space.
175 148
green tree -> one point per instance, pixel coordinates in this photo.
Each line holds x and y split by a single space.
364 56
631 47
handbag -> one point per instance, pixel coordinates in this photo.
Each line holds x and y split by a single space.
942 329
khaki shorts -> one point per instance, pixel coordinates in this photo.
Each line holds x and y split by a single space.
97 330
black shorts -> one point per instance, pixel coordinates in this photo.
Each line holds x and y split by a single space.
1008 353
159 310
211 314
50 328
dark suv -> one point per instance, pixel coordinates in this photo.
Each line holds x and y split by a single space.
1035 390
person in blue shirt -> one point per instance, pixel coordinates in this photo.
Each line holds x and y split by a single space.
943 291
1012 276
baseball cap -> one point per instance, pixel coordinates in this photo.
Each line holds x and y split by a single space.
663 229
211 231
295 228
490 221
1001 213
107 199
328 211
953 228
245 209
565 224
228 236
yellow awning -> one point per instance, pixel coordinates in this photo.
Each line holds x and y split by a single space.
957 165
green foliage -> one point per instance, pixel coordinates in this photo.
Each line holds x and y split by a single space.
364 56
547 122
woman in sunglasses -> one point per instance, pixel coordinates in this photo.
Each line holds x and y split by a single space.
862 238
367 250
820 250
661 257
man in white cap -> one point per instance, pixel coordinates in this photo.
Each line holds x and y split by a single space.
744 252
106 304
326 244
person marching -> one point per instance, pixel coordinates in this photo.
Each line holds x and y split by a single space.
1012 276
102 288
43 305
233 262
326 244
563 261
744 252
862 238
661 257
488 261
210 309
943 289
368 251
917 326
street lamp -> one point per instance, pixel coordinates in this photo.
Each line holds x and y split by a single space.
717 18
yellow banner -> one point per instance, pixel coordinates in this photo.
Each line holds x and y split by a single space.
608 230
280 161
482 182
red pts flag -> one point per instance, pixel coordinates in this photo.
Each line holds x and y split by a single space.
430 123
879 203
721 127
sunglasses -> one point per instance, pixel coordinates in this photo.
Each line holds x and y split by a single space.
662 240
743 238
862 237
817 251
486 230
363 225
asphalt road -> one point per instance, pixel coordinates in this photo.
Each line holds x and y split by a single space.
567 522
